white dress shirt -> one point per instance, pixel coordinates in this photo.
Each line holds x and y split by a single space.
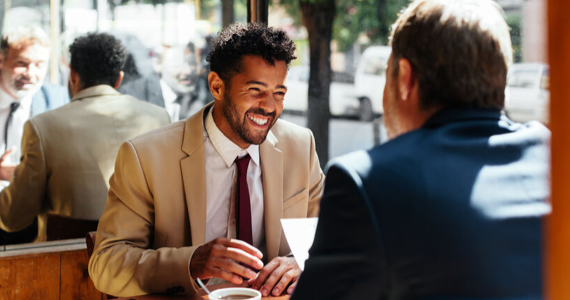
221 181
16 131
170 104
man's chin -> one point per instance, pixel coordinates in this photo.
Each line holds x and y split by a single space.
23 93
257 139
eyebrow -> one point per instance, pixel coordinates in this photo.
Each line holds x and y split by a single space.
265 85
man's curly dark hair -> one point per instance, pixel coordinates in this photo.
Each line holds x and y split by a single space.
98 58
240 39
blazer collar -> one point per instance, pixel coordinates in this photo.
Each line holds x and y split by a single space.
193 169
96 91
194 130
272 174
453 114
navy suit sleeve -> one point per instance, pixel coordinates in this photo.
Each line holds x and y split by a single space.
346 259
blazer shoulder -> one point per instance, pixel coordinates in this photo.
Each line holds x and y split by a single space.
168 134
285 130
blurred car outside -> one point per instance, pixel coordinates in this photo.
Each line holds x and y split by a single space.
343 102
369 81
527 94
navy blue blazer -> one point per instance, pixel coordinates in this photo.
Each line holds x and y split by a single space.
49 97
452 210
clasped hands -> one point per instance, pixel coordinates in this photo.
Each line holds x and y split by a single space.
234 260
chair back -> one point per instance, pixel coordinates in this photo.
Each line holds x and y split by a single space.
63 228
90 241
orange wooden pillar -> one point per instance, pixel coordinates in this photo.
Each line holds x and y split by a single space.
557 254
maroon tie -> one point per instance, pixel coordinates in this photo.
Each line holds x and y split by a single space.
243 207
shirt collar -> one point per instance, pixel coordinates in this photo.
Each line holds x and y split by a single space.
227 149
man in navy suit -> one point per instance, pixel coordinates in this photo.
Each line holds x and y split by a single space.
452 206
24 57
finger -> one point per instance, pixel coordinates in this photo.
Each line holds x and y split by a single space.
264 273
284 282
224 274
234 268
269 284
238 255
244 246
291 288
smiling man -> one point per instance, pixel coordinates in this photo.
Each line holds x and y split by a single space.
203 198
24 58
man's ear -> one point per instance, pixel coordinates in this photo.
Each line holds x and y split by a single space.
216 84
74 80
119 80
1 61
407 81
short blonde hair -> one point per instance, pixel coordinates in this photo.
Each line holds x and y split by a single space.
460 51
23 36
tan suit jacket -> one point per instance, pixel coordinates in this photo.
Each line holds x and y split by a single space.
68 156
155 215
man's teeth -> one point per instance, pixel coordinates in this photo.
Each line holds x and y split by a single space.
258 121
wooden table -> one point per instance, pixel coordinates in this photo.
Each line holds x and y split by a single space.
200 296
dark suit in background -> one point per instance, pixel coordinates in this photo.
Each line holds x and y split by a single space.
144 88
449 211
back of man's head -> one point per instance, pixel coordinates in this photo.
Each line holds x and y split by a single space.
240 39
97 58
21 37
459 50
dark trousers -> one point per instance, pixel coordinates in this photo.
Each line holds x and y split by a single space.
26 235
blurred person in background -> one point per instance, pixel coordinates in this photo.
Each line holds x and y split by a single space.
174 83
24 59
451 207
68 154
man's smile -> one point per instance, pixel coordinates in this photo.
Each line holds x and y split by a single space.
259 120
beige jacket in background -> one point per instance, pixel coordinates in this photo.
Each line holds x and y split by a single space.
155 215
68 156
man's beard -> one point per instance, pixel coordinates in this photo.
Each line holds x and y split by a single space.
22 92
239 126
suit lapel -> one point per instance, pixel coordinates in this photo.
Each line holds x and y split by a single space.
272 174
194 175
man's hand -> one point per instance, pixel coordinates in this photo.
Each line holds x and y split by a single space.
7 169
276 276
222 257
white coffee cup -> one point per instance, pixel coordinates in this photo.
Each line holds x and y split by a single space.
235 294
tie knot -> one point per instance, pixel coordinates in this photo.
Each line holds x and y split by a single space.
14 106
242 164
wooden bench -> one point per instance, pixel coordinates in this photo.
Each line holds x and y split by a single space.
47 271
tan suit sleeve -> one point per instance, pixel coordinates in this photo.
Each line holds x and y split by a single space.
123 262
23 199
317 182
